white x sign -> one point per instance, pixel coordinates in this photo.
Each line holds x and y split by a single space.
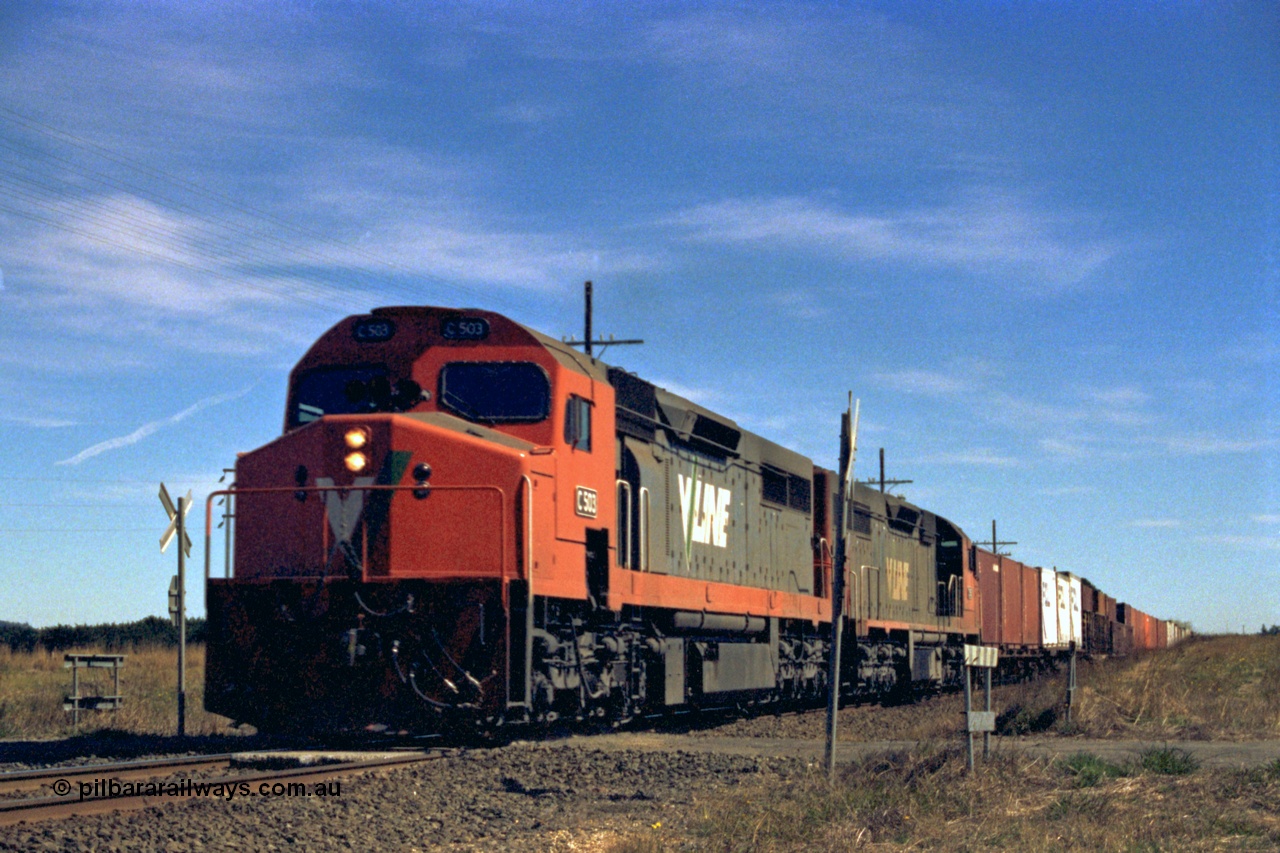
172 530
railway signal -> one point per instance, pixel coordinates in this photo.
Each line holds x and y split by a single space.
177 529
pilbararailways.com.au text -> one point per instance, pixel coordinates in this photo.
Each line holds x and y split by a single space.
113 788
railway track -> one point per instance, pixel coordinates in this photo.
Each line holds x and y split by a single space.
123 786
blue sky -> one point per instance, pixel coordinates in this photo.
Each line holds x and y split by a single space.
1037 240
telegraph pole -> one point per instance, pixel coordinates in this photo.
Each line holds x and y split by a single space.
995 543
588 342
848 454
883 482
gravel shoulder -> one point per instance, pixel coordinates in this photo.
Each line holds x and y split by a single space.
574 792
526 796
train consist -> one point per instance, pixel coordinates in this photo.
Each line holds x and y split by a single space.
468 523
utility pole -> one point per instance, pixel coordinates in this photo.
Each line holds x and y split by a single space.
848 455
587 343
995 543
883 482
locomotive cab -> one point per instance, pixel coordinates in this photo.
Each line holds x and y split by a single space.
433 463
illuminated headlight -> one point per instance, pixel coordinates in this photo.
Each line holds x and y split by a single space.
355 461
356 438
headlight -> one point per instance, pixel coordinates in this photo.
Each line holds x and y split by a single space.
356 438
355 461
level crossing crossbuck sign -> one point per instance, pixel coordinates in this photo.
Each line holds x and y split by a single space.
172 529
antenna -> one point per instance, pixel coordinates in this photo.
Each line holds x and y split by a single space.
587 341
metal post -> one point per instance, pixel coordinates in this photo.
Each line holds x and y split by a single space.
1071 682
882 470
968 710
75 693
182 619
986 735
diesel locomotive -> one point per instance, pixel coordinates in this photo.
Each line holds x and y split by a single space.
468 523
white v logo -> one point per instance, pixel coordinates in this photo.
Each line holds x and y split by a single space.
344 512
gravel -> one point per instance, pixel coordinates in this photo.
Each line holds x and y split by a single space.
526 796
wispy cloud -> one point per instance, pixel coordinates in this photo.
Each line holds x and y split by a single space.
982 456
151 428
1266 519
991 232
1065 491
1155 523
1210 445
701 396
927 382
37 422
1257 543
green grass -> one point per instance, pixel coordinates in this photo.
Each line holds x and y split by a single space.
1088 770
1168 762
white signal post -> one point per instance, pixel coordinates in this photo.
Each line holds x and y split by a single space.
985 658
178 529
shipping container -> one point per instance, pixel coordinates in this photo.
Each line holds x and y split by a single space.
1050 622
1032 633
989 579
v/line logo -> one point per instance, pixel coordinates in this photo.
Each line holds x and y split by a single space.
899 577
705 511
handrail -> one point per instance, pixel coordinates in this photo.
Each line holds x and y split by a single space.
528 542
526 481
624 553
372 487
828 567
644 529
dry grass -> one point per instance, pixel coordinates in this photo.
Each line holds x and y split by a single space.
33 686
925 800
1207 688
1220 688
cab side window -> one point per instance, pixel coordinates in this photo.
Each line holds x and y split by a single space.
577 423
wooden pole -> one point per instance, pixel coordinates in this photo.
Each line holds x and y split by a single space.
848 453
587 337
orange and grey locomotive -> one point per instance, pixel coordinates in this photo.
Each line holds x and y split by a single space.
468 523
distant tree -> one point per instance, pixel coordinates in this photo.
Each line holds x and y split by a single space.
1274 629
111 637
19 637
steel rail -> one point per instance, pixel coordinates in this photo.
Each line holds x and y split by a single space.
26 780
73 805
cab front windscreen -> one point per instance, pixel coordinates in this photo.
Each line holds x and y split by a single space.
496 391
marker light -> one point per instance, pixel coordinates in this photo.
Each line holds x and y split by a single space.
355 461
356 438
422 473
